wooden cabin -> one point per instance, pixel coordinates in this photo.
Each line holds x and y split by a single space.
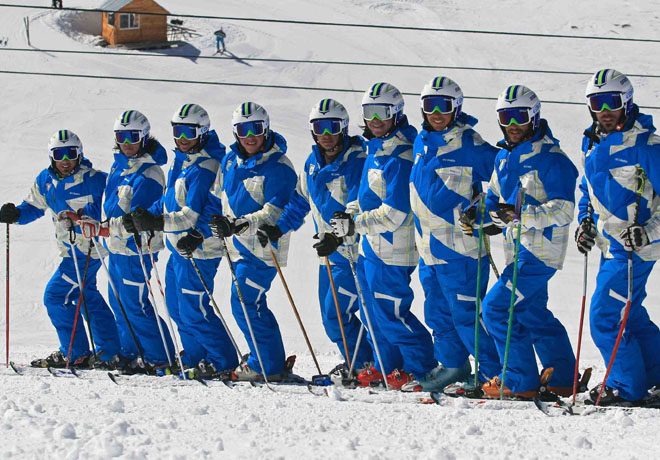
121 24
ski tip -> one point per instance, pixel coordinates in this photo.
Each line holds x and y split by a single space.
113 377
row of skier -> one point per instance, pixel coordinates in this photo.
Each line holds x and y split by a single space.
382 204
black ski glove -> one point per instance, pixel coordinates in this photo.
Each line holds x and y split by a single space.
187 245
492 229
634 238
342 224
9 213
585 235
268 233
144 221
328 243
223 227
127 222
504 215
466 221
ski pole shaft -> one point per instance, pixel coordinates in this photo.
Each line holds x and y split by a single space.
355 350
295 310
339 316
89 321
121 306
138 244
367 317
81 299
576 373
477 303
7 303
248 322
491 261
216 308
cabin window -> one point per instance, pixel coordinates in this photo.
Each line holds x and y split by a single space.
129 21
111 19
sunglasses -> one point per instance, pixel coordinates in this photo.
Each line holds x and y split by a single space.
440 104
64 153
323 126
605 101
381 112
128 136
249 128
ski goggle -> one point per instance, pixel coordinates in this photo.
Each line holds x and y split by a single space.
440 104
377 111
249 128
323 126
605 101
514 116
188 132
131 136
64 153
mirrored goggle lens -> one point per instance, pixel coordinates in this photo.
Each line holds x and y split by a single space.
508 117
441 104
250 128
373 111
188 132
326 126
605 101
64 153
127 137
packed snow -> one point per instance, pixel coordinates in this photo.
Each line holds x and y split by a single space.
48 417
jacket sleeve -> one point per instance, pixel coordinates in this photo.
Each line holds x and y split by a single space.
34 205
298 207
649 160
198 183
97 181
583 203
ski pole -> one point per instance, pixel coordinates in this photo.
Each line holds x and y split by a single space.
339 320
245 312
517 221
641 178
138 243
7 302
216 308
168 318
366 316
141 362
295 311
477 313
355 350
490 257
582 309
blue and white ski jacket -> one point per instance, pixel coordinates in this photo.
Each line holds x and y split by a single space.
257 189
449 168
133 182
325 189
610 181
188 183
548 177
81 190
382 211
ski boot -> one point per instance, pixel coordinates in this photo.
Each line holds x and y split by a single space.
398 378
568 391
370 377
610 397
206 371
56 360
491 389
438 378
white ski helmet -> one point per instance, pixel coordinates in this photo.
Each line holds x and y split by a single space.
519 97
65 143
616 84
191 121
384 101
330 110
250 116
132 127
451 97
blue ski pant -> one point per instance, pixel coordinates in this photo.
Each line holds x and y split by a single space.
200 329
636 366
449 310
534 328
347 298
128 277
61 299
254 280
406 343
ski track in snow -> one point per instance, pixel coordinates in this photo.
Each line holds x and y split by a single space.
90 418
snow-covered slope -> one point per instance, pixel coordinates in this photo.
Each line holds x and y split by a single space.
95 419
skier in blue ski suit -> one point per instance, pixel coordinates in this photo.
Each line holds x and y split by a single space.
254 183
451 161
530 157
388 257
70 184
329 181
136 180
620 209
197 158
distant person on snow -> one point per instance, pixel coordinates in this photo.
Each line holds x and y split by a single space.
57 4
619 211
70 184
219 39
530 160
